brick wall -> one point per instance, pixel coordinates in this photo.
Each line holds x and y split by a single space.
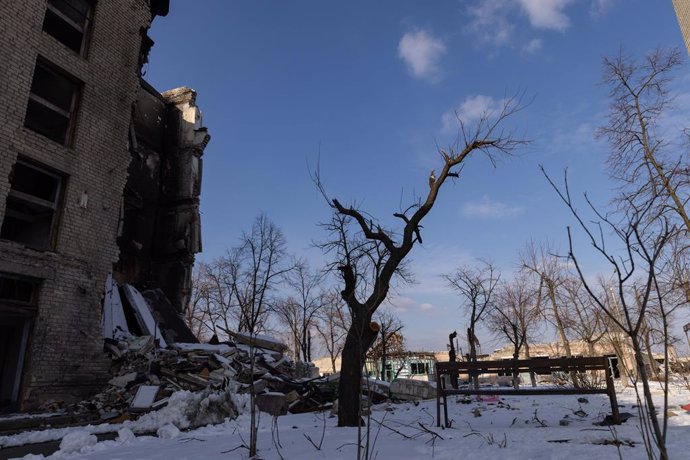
64 359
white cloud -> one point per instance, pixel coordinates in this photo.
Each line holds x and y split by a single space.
489 21
487 208
533 46
472 109
546 14
599 8
403 304
493 22
422 52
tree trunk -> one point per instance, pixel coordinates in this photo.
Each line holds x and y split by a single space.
650 356
651 408
516 356
473 355
532 376
561 328
359 338
309 346
383 355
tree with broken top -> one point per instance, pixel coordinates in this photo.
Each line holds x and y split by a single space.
369 258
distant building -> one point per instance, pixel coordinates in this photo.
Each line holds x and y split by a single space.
99 173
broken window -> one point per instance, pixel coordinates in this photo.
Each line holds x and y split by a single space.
68 21
52 103
18 300
32 206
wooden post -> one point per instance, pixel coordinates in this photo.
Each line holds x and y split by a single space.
439 389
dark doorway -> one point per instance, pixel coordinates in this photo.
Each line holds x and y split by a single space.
14 334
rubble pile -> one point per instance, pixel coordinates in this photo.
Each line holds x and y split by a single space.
157 362
145 376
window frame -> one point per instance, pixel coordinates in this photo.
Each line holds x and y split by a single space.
55 205
85 29
71 115
35 286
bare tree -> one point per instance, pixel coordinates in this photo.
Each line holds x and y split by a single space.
288 312
358 240
332 327
199 316
476 286
259 263
586 321
255 266
645 235
515 314
309 298
640 157
548 268
389 340
214 308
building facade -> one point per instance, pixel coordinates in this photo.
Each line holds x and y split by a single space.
71 205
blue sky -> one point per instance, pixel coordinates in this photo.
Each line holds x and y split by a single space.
370 87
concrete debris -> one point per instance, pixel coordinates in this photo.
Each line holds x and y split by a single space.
261 341
114 321
170 324
147 377
144 398
142 311
408 389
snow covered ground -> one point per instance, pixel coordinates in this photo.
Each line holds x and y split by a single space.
519 427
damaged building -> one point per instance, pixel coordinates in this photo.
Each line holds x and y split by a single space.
99 174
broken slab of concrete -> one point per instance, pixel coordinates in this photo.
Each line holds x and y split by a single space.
121 381
143 314
171 325
261 341
144 398
409 389
114 321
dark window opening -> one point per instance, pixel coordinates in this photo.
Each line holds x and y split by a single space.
68 22
51 104
18 290
32 206
419 368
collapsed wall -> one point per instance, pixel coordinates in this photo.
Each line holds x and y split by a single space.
160 230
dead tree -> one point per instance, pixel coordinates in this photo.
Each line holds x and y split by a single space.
359 241
476 288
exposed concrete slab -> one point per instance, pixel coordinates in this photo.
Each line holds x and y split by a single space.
408 389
